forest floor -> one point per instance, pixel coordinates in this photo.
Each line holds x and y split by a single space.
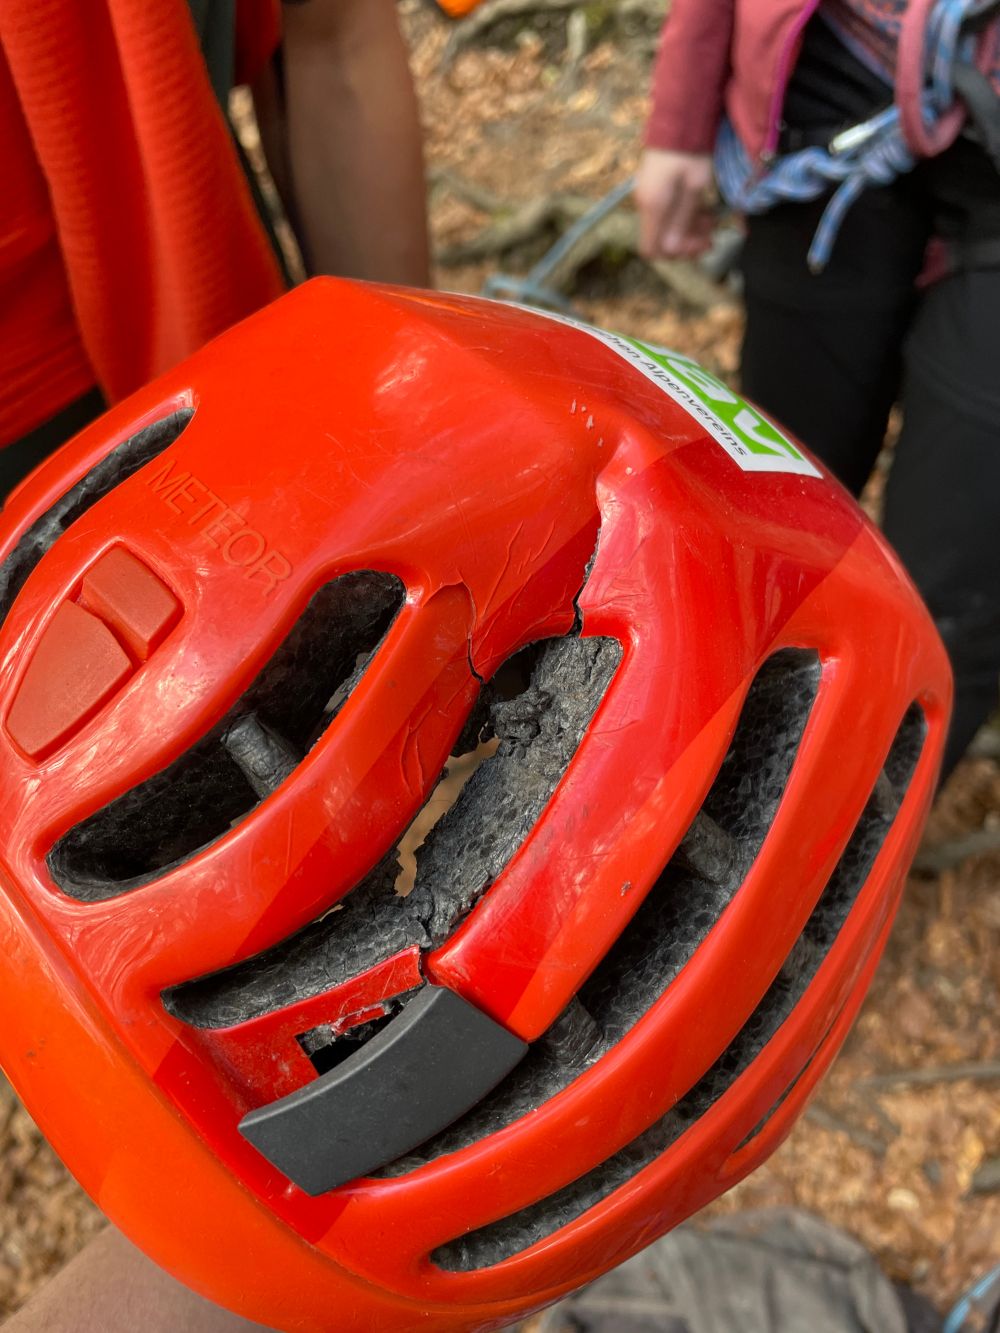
901 1146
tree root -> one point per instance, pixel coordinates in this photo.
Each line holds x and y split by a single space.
469 192
525 223
937 857
976 1071
473 29
615 234
826 1119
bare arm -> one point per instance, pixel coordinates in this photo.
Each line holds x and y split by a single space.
112 1288
352 145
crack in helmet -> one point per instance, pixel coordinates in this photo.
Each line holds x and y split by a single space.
694 711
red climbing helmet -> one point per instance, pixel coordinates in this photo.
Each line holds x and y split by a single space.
247 618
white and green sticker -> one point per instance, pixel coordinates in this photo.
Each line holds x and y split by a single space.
748 437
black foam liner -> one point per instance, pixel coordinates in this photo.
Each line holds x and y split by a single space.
511 1235
539 730
164 821
690 895
114 468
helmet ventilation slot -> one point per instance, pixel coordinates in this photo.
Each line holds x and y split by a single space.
552 691
852 872
224 776
690 895
511 1235
114 468
327 1051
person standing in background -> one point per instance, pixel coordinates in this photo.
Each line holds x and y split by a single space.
829 353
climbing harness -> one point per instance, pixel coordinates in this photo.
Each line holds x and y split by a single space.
940 81
940 84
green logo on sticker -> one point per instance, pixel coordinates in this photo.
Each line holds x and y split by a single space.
757 435
754 443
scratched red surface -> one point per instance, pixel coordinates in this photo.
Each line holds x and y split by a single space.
440 439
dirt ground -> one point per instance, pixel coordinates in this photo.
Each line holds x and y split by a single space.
902 1144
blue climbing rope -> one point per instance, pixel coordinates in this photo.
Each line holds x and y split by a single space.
967 1305
535 288
875 152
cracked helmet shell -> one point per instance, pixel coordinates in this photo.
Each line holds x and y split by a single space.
520 480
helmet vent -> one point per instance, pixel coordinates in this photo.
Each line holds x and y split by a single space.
690 895
225 775
327 1051
538 707
851 873
114 468
510 1235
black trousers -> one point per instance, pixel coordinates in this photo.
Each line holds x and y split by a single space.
829 355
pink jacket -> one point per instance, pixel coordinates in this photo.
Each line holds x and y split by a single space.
725 55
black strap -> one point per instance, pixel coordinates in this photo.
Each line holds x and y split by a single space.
215 24
979 96
794 139
25 454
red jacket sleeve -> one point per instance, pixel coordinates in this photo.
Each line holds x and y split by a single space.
692 69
